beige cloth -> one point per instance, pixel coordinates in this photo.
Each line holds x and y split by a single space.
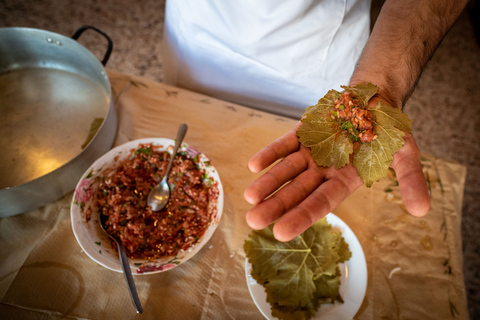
414 264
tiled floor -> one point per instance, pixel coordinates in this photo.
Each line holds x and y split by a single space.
444 106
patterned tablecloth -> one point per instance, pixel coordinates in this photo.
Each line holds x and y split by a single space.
414 264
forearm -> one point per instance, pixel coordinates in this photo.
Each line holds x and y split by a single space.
404 38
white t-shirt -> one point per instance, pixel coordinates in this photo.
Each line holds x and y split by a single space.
279 56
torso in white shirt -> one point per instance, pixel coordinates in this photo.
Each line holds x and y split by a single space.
280 56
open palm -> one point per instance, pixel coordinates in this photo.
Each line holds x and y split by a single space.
313 191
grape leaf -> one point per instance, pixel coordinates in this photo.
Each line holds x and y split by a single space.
298 274
373 159
328 287
328 145
324 104
328 291
342 249
388 115
362 91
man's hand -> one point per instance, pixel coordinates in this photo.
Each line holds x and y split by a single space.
313 191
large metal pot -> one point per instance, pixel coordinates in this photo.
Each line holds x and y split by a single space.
56 115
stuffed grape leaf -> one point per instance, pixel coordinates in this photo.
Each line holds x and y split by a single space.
300 274
330 144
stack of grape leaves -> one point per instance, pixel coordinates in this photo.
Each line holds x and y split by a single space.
299 275
330 145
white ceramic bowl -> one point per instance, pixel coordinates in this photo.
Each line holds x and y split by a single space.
93 240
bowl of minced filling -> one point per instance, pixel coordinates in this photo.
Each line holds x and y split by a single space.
117 185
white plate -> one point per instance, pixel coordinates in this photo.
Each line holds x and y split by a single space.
352 288
93 240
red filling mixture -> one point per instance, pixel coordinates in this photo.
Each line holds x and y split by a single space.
122 196
354 118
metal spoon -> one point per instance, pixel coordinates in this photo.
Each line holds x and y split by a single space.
125 267
158 197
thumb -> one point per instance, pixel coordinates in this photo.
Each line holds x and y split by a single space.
413 185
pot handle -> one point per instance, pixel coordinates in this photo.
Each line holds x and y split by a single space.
110 43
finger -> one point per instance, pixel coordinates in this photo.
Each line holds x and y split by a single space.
316 206
285 199
277 149
277 176
413 185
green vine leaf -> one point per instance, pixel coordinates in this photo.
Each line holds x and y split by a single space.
373 159
324 104
390 116
362 91
300 274
328 145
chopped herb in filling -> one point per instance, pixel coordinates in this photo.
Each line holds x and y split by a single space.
354 118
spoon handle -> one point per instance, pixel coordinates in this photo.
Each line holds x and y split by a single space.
129 278
182 131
